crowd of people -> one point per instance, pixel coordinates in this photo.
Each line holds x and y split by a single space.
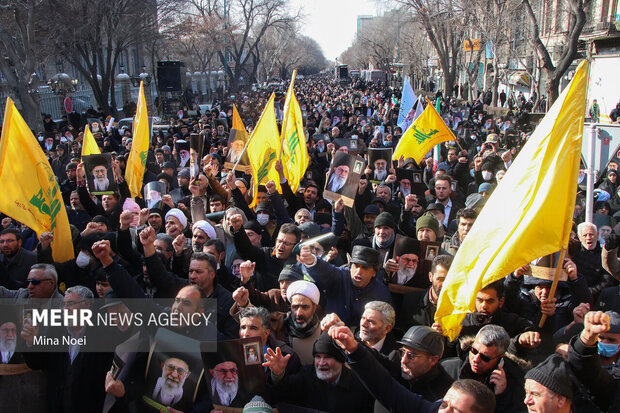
342 298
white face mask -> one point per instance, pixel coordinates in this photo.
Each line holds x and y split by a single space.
486 175
262 219
82 260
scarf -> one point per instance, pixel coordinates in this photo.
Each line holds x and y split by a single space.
304 332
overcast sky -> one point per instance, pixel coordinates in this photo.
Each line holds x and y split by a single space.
333 23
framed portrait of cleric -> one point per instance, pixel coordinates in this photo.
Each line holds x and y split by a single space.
196 145
380 161
234 374
153 194
99 175
183 154
412 180
172 377
343 178
351 144
235 151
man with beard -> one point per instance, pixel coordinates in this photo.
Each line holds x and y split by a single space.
202 231
402 267
418 307
100 176
8 335
15 261
339 177
384 235
169 387
380 172
76 213
324 384
225 385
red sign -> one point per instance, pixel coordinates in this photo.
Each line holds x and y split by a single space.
68 105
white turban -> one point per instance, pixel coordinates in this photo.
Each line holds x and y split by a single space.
206 227
304 288
178 214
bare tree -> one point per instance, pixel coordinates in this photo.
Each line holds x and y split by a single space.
442 20
575 20
22 50
379 41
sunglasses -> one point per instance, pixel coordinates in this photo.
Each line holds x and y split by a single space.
483 357
37 282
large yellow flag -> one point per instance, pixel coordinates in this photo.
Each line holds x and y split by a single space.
294 151
136 162
263 148
237 125
428 130
89 144
529 214
30 192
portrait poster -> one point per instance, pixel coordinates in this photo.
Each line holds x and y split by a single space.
196 145
99 175
182 154
380 162
420 280
237 140
351 144
417 186
234 374
343 178
153 194
49 142
173 377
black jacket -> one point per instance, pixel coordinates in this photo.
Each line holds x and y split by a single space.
306 389
268 267
14 271
416 310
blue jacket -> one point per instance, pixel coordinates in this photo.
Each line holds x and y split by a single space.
343 298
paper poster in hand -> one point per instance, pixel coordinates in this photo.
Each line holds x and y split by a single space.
173 377
234 374
420 280
183 154
380 161
343 178
99 175
351 144
410 182
196 144
153 193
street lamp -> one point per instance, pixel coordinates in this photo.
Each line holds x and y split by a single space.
144 77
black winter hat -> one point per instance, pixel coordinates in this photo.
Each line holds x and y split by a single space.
553 373
385 219
325 345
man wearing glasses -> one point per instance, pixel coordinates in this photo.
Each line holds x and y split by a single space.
225 385
487 364
169 387
41 281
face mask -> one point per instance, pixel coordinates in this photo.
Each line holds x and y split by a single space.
82 260
486 175
608 350
262 219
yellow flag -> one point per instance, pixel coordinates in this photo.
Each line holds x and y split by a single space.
529 215
238 126
263 149
426 132
89 144
136 162
294 151
30 192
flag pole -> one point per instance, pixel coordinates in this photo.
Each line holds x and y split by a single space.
554 285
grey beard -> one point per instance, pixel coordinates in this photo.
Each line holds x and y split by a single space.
405 275
337 183
405 192
7 347
227 392
101 184
380 174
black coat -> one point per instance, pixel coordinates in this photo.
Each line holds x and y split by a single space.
306 389
416 310
589 265
14 271
268 267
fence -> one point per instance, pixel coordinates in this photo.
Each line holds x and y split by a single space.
83 98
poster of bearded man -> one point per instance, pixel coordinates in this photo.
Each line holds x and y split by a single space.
99 174
344 177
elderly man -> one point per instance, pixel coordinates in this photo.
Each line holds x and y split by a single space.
419 307
486 362
466 395
225 389
42 282
588 259
15 261
169 387
256 322
324 385
348 289
548 386
384 236
404 264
